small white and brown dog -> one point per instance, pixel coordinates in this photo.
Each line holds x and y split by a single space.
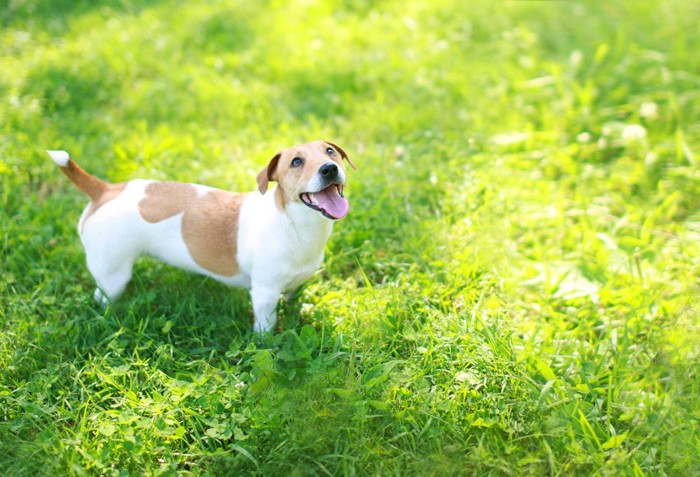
269 242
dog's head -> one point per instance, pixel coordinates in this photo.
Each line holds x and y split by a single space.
312 174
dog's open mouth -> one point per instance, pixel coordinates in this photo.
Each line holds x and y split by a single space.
329 201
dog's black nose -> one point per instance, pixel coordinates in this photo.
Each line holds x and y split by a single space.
328 171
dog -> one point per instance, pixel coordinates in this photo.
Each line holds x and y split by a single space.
269 241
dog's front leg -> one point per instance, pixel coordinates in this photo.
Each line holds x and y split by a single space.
265 300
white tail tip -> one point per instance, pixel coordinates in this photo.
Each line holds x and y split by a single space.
59 157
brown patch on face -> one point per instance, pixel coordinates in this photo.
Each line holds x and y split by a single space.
209 222
269 173
109 192
280 199
292 181
343 154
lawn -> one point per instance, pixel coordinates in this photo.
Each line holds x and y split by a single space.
514 291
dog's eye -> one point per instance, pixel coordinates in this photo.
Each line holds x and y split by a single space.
297 161
330 151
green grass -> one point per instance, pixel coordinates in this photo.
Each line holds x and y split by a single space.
514 291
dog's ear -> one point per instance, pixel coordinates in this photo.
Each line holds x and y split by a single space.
343 154
269 173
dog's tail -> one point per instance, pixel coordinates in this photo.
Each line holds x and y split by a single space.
89 185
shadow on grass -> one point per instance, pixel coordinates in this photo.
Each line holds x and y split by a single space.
161 312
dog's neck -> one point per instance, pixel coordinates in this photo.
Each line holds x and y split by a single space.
309 227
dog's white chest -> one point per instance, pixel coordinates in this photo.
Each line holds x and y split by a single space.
276 248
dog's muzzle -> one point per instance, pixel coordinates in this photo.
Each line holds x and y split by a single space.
329 200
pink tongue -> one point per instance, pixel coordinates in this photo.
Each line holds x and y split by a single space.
330 201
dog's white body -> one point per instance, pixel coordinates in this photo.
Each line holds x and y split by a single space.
270 241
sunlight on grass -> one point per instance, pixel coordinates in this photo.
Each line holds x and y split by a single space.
513 292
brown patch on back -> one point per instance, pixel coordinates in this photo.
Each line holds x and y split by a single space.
166 199
210 230
209 222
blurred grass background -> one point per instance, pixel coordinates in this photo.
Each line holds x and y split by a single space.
514 290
